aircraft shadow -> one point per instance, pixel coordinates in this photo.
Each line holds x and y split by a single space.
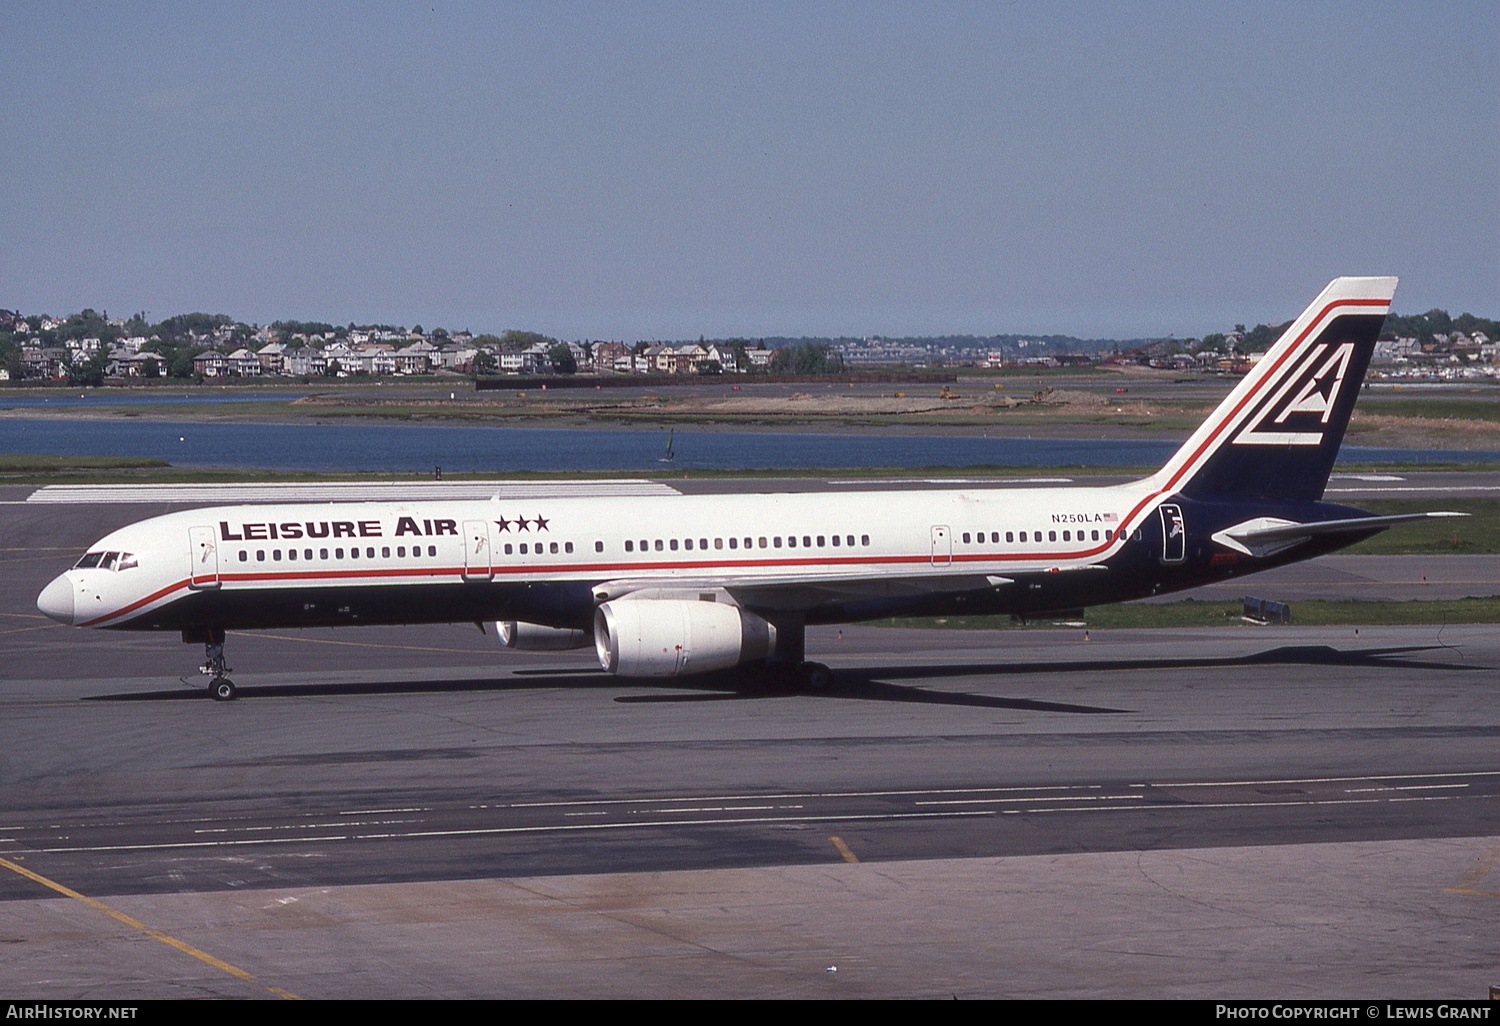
1289 655
867 684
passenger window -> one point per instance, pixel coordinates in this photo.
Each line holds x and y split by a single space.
432 550
244 556
791 541
322 553
507 548
821 541
401 550
719 543
260 555
835 541
568 547
966 537
1052 536
291 554
673 545
734 543
807 541
552 548
776 542
687 543
385 552
762 543
658 545
629 546
703 544
864 539
338 553
1067 536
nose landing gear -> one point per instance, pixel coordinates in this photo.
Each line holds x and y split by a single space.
220 687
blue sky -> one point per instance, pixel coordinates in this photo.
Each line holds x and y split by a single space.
667 170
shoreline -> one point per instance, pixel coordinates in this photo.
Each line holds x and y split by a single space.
1387 431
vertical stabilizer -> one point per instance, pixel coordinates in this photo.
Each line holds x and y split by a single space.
1277 434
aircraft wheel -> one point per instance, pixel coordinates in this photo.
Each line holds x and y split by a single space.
223 690
814 676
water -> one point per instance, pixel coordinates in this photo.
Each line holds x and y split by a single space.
499 450
61 399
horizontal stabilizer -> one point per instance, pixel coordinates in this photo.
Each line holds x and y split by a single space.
1264 535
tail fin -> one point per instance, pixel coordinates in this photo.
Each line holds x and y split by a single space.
1277 434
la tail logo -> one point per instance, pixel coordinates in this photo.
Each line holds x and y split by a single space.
1299 410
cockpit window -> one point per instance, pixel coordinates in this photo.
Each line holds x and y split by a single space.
107 561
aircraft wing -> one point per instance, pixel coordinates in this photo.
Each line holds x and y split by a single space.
758 589
771 590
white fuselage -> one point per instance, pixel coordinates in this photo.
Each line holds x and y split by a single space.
753 538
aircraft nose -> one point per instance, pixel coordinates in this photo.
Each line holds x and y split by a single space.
56 600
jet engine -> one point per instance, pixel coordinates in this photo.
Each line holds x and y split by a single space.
533 637
672 637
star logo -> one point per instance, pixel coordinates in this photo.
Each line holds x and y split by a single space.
504 524
541 524
522 522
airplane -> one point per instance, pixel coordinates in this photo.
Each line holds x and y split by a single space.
664 586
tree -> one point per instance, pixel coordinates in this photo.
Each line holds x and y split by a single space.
562 358
518 340
88 372
807 358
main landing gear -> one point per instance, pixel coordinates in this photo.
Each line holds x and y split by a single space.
220 687
789 667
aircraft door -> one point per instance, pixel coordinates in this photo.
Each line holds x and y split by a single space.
203 558
478 555
942 545
1173 533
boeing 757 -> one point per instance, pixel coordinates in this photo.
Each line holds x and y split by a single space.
664 586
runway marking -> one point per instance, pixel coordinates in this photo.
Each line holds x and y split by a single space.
335 641
538 829
23 630
1059 798
1468 882
1419 488
136 924
817 794
1326 780
848 856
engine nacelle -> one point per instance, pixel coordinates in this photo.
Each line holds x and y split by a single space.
533 637
672 637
